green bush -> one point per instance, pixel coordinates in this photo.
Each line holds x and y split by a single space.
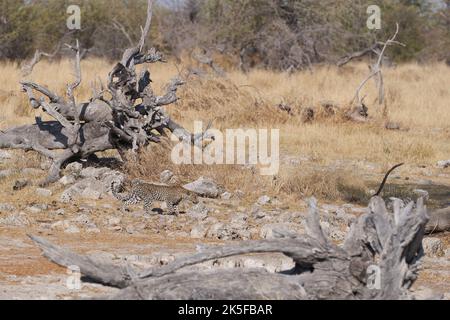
280 33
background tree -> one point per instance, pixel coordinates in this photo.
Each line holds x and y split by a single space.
277 34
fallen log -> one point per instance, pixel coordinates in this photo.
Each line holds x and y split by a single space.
378 260
130 120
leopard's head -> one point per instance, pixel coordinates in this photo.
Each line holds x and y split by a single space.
191 196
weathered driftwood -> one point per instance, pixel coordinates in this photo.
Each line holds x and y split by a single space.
378 241
79 130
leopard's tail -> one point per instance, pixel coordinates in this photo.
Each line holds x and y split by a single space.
386 177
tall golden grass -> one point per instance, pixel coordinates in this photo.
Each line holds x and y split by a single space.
417 97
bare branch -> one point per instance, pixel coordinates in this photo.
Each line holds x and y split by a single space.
117 25
313 227
376 71
70 89
358 54
148 22
27 69
52 96
107 274
130 54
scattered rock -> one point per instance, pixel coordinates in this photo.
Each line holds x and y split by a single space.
62 224
337 235
257 213
330 207
291 217
114 221
59 212
238 227
45 164
43 192
205 187
5 155
199 231
20 184
91 187
108 178
218 231
278 230
226 196
239 219
166 220
165 259
270 263
89 193
74 168
72 229
92 228
16 219
264 200
425 182
91 172
6 207
433 247
166 176
443 164
70 194
89 183
348 219
36 208
198 211
83 219
116 228
66 180
130 229
6 173
86 208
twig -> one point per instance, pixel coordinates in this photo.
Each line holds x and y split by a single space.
376 70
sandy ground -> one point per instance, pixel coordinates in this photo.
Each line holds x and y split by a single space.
25 274
146 241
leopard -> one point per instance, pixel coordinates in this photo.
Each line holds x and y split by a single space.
147 193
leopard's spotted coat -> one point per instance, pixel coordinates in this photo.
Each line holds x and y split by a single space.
147 193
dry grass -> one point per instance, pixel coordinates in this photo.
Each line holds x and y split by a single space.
324 184
417 98
290 182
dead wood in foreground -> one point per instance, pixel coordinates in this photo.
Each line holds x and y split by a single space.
389 244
